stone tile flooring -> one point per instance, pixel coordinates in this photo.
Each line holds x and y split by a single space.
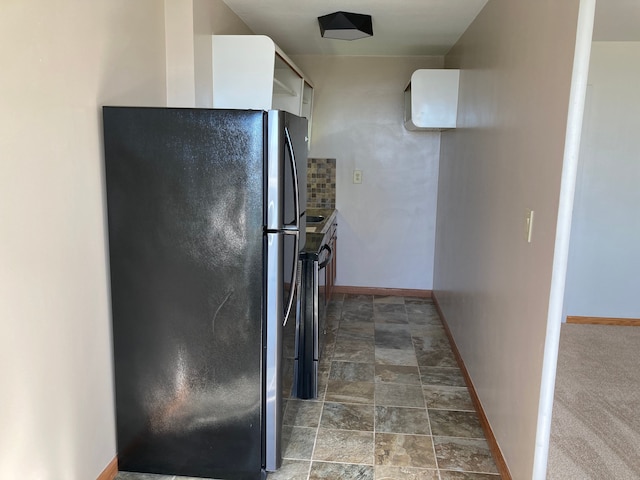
392 402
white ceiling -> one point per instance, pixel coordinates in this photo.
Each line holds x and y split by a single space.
400 27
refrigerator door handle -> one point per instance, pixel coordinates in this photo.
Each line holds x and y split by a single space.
294 280
293 229
294 169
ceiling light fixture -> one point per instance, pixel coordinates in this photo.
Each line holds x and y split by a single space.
345 26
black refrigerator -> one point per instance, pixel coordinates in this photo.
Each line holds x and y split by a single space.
206 218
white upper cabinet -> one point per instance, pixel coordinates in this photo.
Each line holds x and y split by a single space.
251 72
431 100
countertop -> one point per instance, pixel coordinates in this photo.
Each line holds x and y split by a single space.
316 231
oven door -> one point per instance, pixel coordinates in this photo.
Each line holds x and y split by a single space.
311 325
324 258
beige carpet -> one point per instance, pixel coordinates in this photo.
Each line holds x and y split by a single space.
595 432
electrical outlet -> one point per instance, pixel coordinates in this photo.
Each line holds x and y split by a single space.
529 225
357 176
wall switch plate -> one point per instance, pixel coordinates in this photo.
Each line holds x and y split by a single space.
357 176
529 225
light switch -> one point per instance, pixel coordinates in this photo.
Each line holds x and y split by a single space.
357 176
529 223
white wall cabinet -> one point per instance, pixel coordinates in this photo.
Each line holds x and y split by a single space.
431 100
250 71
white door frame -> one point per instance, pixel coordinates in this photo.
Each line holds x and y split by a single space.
584 37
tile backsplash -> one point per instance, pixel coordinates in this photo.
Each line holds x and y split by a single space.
321 183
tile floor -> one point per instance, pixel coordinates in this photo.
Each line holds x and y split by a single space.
392 402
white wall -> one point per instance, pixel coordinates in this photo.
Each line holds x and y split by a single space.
604 258
211 17
505 157
189 26
60 62
386 226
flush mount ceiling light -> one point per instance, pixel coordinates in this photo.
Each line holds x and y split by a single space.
345 26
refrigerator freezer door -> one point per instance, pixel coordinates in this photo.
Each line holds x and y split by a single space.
185 192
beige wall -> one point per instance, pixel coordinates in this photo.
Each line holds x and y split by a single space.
180 45
506 157
386 227
60 62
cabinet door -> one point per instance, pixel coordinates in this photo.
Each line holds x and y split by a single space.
330 271
329 280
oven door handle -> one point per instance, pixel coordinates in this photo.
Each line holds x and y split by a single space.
329 257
